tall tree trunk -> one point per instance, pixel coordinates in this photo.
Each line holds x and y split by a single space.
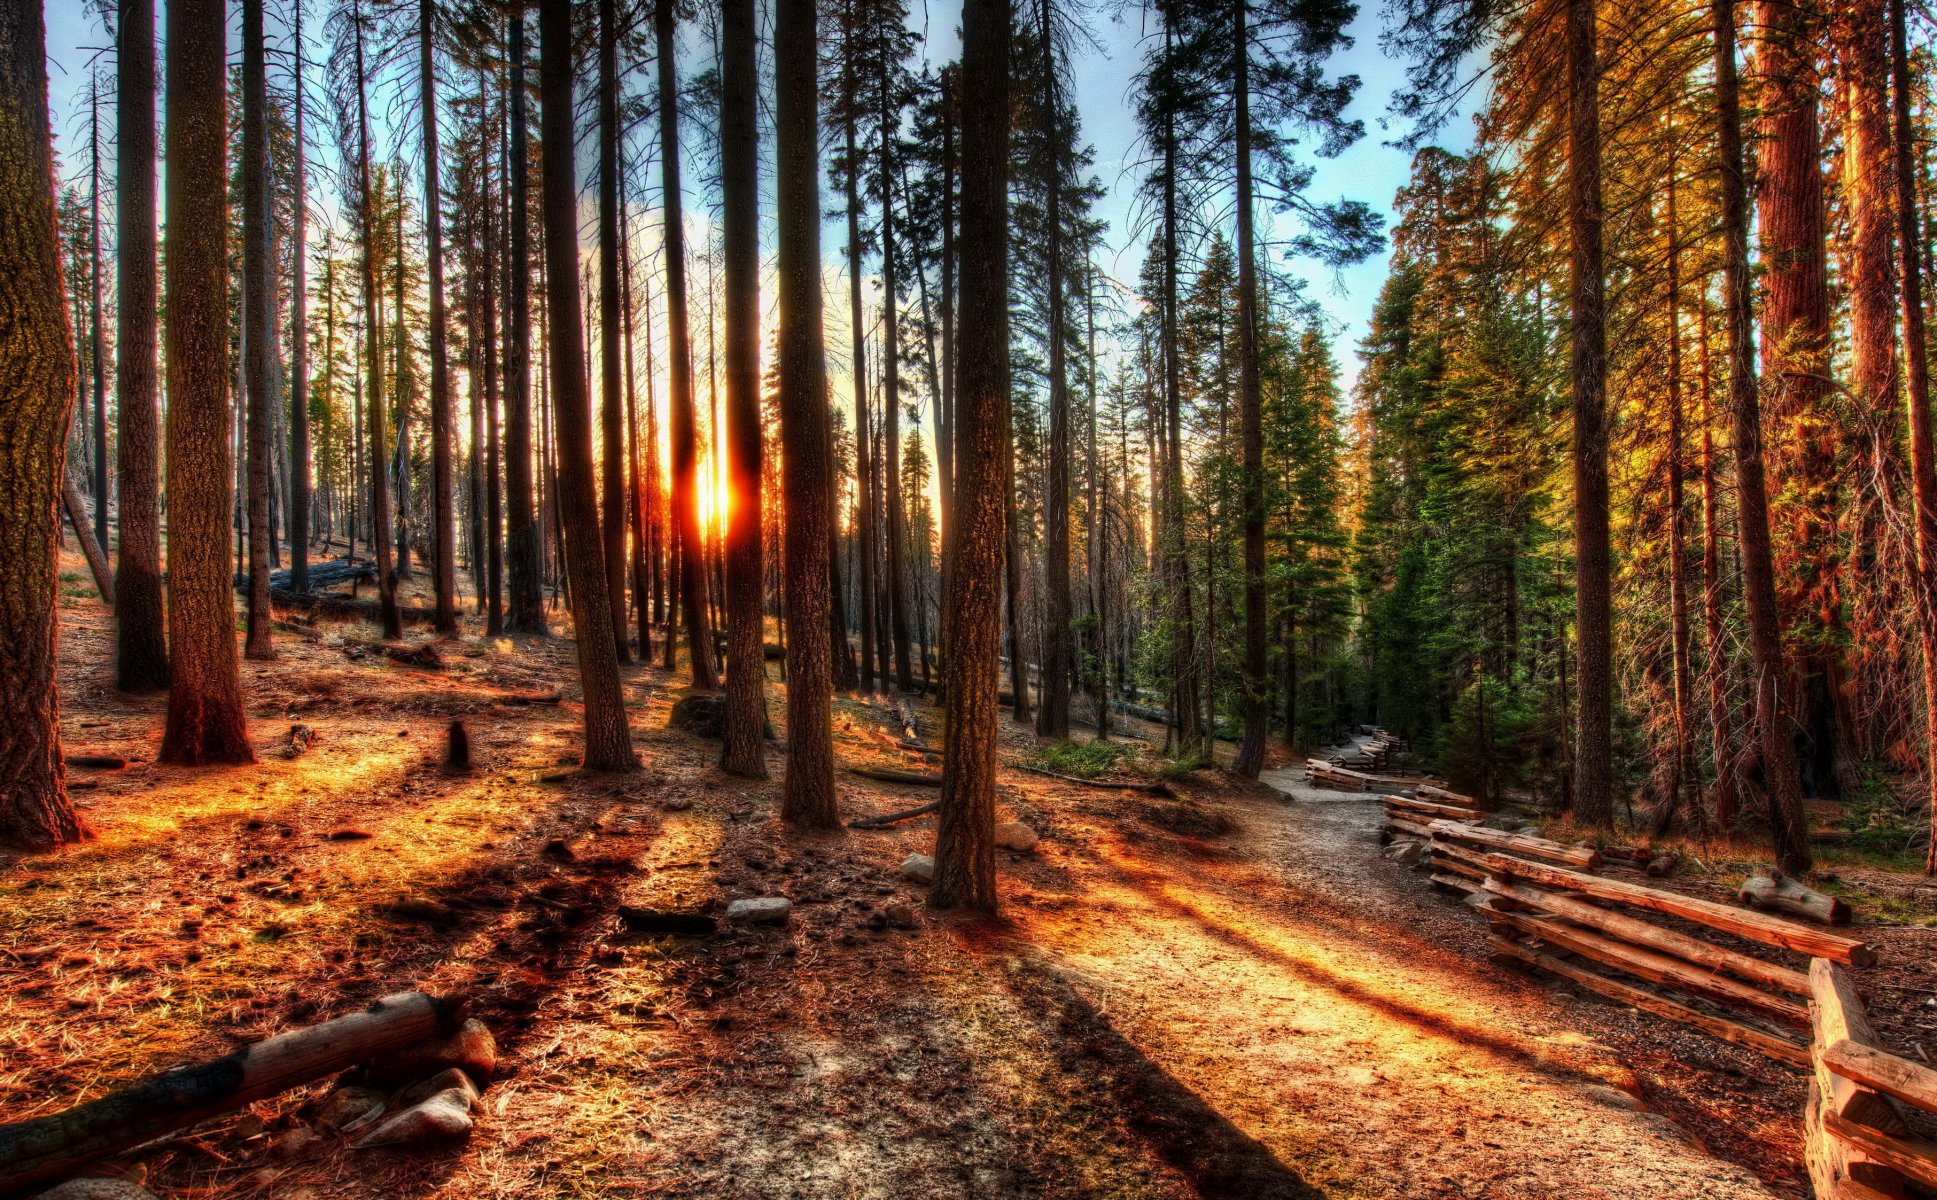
1779 766
1923 458
379 459
1685 780
487 321
524 572
1256 704
259 318
945 412
692 566
443 516
864 515
1012 590
1721 725
807 797
1594 757
897 525
637 494
1052 718
205 721
746 700
141 651
611 412
1186 712
98 371
299 451
965 841
37 399
1795 359
608 741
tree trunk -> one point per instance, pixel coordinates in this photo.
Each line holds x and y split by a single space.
636 495
525 607
1795 346
379 460
608 741
692 566
1685 780
1779 765
1052 718
299 451
965 840
205 721
1256 702
1923 458
863 533
442 437
807 797
37 399
1594 754
897 530
746 702
1012 588
1721 725
141 651
259 318
611 414
1185 708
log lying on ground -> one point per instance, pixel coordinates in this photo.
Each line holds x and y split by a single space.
52 1147
1771 889
914 778
1766 1041
97 559
1757 927
98 762
346 607
1652 936
1654 967
520 698
1152 787
906 814
1440 795
1519 843
332 572
1428 808
905 713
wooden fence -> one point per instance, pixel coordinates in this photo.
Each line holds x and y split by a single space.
1856 1139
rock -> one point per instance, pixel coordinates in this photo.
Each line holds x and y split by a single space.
877 921
96 1187
1613 1097
901 916
1014 835
348 1107
295 1143
445 1115
1406 852
677 803
759 910
447 1080
701 716
653 920
918 868
471 1047
1504 822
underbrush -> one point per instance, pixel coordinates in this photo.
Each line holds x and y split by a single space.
1084 760
1188 818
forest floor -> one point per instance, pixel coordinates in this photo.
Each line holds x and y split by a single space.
1265 1008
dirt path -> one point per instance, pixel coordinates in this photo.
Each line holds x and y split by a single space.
1270 1011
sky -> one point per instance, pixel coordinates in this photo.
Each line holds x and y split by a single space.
1103 75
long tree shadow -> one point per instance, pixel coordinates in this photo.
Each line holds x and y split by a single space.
1216 1157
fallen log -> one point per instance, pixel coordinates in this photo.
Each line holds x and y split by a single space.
905 712
425 656
1652 966
1769 888
52 1147
1766 1041
97 559
1440 795
906 814
1155 787
1520 843
346 607
1662 864
913 778
1427 807
98 762
1655 937
520 698
1756 926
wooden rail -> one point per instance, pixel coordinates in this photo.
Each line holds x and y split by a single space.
1856 1141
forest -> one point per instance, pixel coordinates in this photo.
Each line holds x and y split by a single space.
798 598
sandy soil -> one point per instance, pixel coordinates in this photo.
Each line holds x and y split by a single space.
1269 1012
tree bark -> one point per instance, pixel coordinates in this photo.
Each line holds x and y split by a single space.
141 649
611 412
1052 717
259 319
442 436
692 565
524 579
807 796
379 460
37 369
1685 780
897 527
608 741
743 751
1256 703
864 515
1780 769
965 840
300 484
1923 456
205 721
1594 755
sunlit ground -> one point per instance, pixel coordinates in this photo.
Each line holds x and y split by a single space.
1272 1013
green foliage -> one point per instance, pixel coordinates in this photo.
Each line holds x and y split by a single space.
1084 760
1481 750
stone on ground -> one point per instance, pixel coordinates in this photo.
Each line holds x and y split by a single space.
445 1115
97 1188
760 910
449 1079
1014 835
918 868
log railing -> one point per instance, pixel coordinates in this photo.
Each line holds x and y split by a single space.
1856 1141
